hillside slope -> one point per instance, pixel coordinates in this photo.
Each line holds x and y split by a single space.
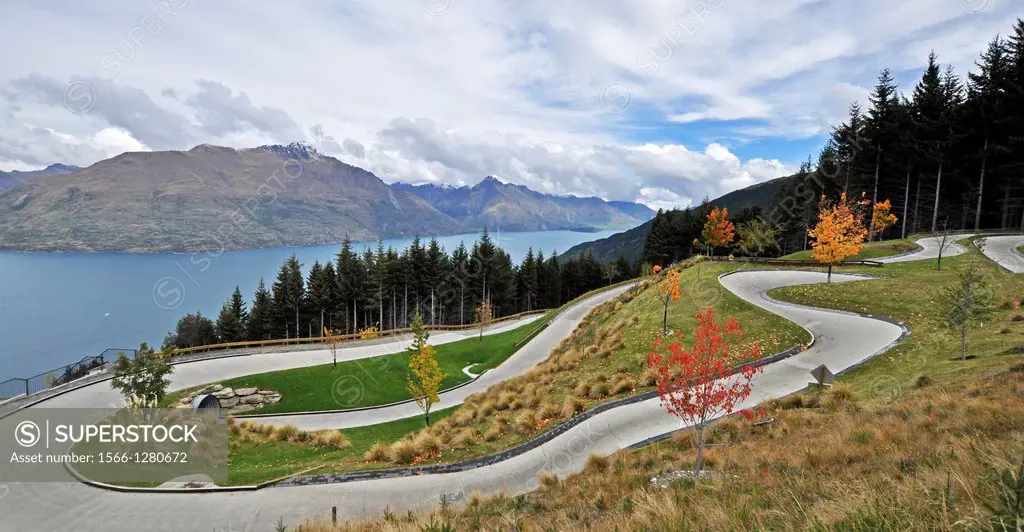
211 198
9 180
631 243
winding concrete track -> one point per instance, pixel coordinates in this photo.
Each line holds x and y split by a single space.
929 250
1003 251
842 341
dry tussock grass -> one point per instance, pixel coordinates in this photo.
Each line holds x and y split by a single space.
928 461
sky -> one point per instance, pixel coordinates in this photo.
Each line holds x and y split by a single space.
658 101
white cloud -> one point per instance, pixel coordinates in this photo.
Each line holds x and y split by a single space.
490 87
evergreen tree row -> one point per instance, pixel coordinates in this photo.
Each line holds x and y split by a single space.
947 154
385 288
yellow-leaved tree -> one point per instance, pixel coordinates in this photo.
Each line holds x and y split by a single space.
425 374
840 231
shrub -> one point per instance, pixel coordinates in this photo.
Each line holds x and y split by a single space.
465 439
485 409
403 451
923 381
623 385
526 422
493 433
547 411
583 389
284 432
571 407
597 463
839 393
599 391
427 444
548 480
378 453
331 438
1018 317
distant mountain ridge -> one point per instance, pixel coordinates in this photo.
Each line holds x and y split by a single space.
213 198
630 243
14 178
518 208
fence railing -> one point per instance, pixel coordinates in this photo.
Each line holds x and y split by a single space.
796 262
250 344
16 387
544 323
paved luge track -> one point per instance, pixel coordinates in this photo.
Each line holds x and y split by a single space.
843 340
1003 250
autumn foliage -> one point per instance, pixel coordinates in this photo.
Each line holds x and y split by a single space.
698 383
882 218
840 231
668 291
425 374
718 230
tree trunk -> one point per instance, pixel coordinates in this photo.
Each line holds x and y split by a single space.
380 299
846 186
355 327
664 318
963 343
917 203
426 416
829 280
874 195
1006 209
938 191
405 307
942 244
462 304
906 203
697 465
981 186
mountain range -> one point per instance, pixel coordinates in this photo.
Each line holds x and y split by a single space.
213 198
630 243
518 208
10 180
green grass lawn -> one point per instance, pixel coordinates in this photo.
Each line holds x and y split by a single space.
872 250
908 292
373 381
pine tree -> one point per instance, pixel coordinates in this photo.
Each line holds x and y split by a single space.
261 316
318 293
232 320
288 295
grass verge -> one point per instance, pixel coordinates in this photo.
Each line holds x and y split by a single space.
872 250
371 381
602 360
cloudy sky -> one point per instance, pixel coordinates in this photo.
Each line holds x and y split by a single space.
659 101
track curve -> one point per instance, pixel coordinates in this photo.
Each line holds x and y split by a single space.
843 340
1003 251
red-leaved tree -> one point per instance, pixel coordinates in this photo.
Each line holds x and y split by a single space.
700 383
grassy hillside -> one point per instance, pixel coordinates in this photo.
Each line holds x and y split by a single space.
911 440
603 359
872 250
631 243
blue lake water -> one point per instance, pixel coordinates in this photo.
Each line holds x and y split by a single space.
56 308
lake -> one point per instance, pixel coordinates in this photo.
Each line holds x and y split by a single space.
56 308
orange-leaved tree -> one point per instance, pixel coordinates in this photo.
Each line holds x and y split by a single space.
840 231
882 218
718 230
668 291
707 379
